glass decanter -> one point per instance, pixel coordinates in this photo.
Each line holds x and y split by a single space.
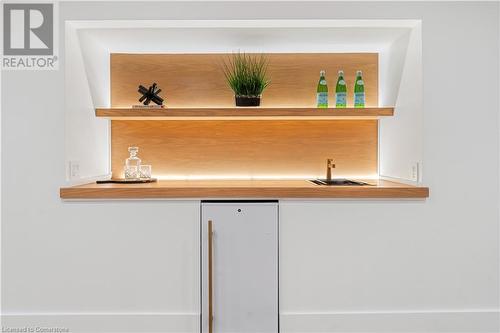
132 164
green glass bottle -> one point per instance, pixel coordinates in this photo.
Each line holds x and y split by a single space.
322 91
341 91
359 91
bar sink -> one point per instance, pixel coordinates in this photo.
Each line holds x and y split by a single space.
337 182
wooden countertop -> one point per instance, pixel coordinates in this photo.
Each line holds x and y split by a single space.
230 189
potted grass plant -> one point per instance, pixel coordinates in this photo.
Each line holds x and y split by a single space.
247 76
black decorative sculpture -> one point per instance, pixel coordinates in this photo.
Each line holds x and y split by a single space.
150 94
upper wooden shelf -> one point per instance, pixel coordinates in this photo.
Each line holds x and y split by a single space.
243 113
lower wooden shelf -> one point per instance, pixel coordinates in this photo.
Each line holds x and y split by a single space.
241 189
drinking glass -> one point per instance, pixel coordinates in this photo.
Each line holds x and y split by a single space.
131 172
145 171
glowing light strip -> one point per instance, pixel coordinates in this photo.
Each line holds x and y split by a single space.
257 177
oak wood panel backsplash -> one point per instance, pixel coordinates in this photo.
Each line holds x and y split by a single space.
243 148
196 80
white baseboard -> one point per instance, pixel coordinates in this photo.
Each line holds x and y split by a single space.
104 323
392 322
338 322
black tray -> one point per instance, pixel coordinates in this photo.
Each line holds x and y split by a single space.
126 181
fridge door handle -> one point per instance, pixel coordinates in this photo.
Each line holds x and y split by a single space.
210 276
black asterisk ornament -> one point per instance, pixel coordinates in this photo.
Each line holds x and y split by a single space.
150 94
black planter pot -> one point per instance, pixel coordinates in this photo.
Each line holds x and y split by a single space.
247 101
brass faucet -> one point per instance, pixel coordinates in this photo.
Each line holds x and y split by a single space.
329 166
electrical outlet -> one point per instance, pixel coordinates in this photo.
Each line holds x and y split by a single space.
415 172
74 170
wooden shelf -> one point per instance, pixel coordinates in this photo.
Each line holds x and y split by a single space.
243 113
242 189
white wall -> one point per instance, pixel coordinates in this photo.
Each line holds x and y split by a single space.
365 266
401 136
87 138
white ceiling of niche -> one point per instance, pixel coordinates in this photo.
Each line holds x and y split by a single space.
197 40
95 40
